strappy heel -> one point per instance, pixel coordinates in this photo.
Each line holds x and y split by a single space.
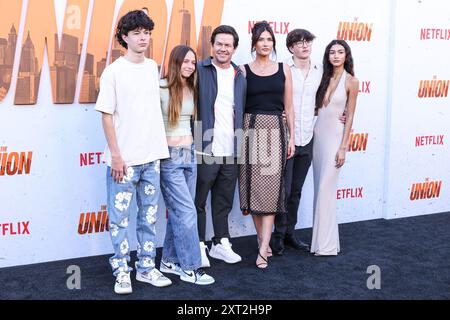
269 251
262 265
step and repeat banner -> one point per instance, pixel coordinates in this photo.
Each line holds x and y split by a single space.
418 157
53 52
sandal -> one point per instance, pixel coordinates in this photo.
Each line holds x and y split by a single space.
262 265
269 251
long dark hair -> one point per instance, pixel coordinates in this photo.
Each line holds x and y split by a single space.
328 69
175 84
258 29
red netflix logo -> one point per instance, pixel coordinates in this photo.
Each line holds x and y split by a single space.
13 229
364 87
90 159
422 141
434 34
278 27
349 193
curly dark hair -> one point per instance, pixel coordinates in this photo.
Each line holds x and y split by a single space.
133 20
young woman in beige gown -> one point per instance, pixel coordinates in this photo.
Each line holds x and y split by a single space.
336 96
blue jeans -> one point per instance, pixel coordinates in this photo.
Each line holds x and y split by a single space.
178 178
142 181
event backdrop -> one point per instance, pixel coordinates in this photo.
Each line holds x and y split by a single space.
418 156
52 53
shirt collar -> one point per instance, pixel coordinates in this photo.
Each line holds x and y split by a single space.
290 63
208 63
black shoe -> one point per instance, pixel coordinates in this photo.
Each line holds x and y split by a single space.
262 265
277 246
295 243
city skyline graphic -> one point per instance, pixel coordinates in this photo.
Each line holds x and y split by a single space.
7 56
9 27
64 60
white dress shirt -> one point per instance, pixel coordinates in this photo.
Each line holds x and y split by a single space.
304 99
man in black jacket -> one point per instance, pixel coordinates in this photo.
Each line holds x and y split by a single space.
221 103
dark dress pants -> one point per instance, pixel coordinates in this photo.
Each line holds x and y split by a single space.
296 170
218 175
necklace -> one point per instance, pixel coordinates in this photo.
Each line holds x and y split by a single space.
263 69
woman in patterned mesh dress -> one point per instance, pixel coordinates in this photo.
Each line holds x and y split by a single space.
268 141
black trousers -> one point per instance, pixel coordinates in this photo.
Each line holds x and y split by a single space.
218 175
296 170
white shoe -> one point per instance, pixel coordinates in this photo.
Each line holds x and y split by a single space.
123 283
154 277
205 260
223 251
169 267
196 276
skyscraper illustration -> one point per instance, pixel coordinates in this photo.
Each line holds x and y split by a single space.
3 46
28 78
63 71
185 26
89 64
117 51
87 92
101 65
205 42
65 68
11 48
7 53
149 52
4 83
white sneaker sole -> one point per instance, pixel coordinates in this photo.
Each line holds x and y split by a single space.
190 280
220 257
123 291
159 285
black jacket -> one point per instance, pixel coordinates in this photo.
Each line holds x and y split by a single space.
207 94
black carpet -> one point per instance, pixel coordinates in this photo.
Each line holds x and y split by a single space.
413 255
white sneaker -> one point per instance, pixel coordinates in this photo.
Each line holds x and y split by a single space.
169 267
123 283
197 277
205 260
223 251
154 277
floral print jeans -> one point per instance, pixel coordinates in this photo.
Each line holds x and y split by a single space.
142 181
